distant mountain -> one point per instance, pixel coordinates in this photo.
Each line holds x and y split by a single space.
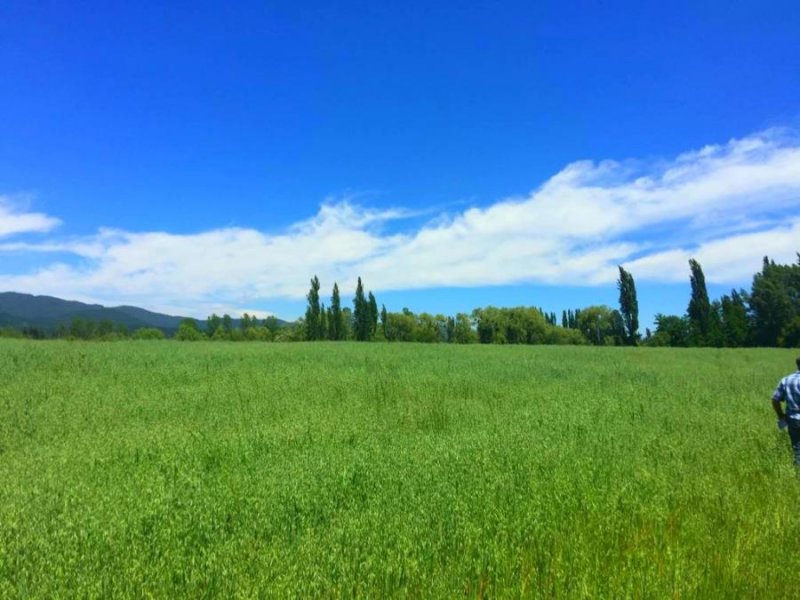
46 312
153 319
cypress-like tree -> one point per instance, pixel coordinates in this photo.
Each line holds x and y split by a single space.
628 307
360 313
699 310
564 320
323 322
336 321
313 311
372 305
384 318
329 319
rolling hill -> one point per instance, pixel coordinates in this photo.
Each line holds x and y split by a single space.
47 312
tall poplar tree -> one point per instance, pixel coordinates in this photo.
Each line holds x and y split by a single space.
330 332
699 310
628 307
313 311
336 321
372 305
323 323
360 313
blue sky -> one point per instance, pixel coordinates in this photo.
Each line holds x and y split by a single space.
200 157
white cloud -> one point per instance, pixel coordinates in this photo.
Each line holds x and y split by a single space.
13 220
732 259
727 205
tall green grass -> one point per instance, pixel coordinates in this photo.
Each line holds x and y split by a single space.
159 469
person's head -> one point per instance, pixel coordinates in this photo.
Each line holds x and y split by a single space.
797 361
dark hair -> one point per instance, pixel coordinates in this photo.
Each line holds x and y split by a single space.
797 360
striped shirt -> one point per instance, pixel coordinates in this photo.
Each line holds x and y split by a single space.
788 391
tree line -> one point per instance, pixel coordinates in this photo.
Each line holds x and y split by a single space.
766 315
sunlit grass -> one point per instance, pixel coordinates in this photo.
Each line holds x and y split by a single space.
190 470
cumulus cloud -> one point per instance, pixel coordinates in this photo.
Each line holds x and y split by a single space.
727 205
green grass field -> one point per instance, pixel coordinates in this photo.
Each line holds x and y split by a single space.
161 469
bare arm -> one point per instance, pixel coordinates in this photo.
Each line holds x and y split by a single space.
776 405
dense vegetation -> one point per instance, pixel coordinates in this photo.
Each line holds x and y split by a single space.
768 315
295 470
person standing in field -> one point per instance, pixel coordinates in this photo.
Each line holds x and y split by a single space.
788 391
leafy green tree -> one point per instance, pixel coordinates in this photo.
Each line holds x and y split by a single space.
790 334
600 325
213 323
257 333
372 312
348 324
489 325
734 322
79 328
336 321
401 327
237 335
313 311
383 320
520 325
227 324
361 315
775 302
104 328
323 323
450 333
148 333
188 331
628 307
271 324
462 330
427 329
329 320
671 330
699 310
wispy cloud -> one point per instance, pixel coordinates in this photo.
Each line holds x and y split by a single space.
728 205
15 220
